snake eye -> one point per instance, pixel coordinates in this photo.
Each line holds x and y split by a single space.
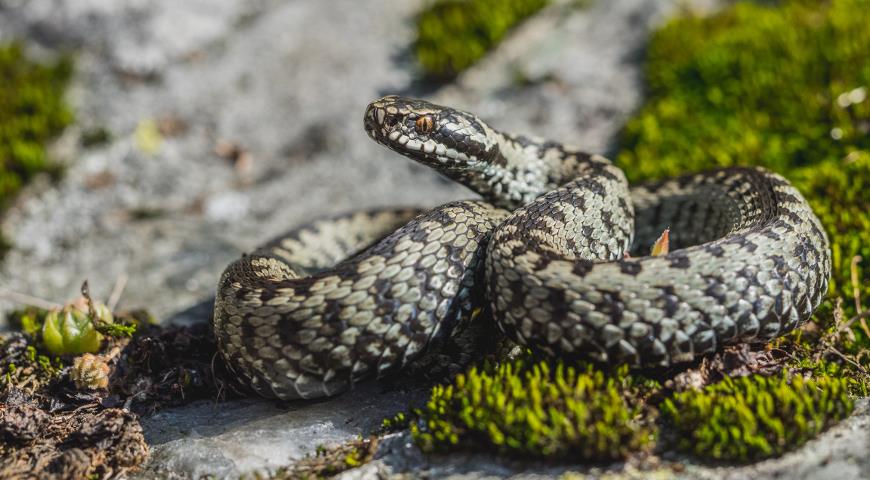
424 124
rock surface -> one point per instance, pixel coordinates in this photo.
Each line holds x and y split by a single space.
230 122
225 439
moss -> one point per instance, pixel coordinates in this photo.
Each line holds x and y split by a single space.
23 367
756 417
856 385
397 422
453 34
32 111
783 87
536 410
28 320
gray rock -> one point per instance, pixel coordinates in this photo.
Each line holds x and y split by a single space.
224 439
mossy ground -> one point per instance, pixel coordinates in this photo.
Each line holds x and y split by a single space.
32 112
785 87
536 409
781 86
756 417
453 34
49 397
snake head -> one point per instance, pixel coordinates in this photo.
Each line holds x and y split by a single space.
441 137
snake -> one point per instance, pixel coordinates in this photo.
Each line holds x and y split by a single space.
552 253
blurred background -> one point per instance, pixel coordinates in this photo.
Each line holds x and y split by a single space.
156 140
172 136
148 143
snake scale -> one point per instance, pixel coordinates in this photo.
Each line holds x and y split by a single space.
553 253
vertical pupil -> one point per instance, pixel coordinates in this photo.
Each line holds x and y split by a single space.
425 124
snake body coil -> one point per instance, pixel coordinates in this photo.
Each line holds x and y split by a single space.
546 253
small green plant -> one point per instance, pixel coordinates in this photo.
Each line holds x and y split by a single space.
453 34
90 372
536 410
756 417
76 328
70 331
398 421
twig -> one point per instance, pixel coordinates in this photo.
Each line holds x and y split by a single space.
840 325
856 292
113 354
856 289
219 382
862 317
117 291
848 359
86 293
784 352
28 300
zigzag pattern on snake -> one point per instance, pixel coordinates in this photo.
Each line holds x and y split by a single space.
544 253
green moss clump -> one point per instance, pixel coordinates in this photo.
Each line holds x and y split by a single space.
756 417
786 87
453 34
536 410
32 111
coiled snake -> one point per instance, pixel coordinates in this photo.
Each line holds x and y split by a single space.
545 254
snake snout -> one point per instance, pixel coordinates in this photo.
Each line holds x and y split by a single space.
370 121
381 118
